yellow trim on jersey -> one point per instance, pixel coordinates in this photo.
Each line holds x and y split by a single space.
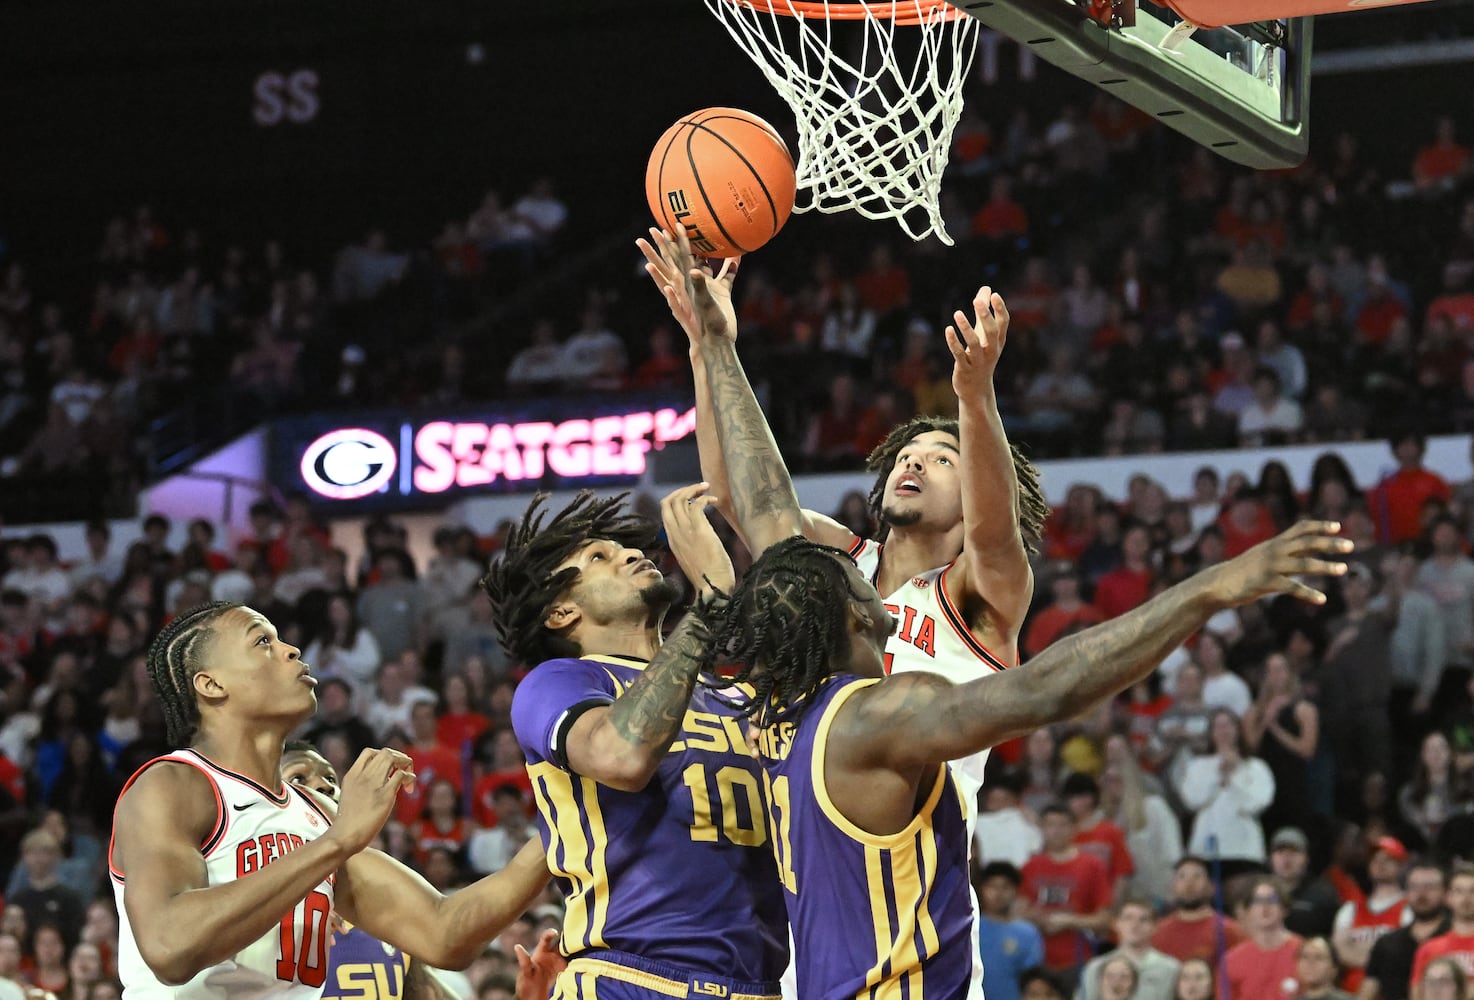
619 661
895 946
920 821
589 971
583 857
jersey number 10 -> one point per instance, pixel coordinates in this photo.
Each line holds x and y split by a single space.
305 961
731 783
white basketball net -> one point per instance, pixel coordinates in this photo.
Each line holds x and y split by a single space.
873 135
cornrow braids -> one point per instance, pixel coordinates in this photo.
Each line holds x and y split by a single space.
524 582
175 656
1033 507
784 629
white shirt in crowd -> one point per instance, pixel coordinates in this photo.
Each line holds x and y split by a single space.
1226 824
1229 691
1006 835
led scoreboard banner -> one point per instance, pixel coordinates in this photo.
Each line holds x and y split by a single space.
388 459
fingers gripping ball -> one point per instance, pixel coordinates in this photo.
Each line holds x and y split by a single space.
726 176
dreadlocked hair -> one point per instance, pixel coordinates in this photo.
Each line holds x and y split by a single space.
1033 508
784 629
176 655
524 582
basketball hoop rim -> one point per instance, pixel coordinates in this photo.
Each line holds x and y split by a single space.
907 12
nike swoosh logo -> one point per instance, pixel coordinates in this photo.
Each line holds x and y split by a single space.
246 806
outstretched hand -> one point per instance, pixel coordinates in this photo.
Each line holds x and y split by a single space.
538 970
977 345
693 540
1309 548
697 297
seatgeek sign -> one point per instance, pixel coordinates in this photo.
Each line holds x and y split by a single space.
375 460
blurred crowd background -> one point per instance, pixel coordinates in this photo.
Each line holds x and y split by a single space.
1294 773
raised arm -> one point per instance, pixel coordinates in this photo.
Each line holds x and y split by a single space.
392 903
925 719
993 575
761 495
667 268
622 745
182 923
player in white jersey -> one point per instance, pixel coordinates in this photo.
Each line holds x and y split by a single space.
225 876
959 508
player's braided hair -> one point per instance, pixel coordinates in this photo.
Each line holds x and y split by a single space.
176 655
522 583
1033 508
784 629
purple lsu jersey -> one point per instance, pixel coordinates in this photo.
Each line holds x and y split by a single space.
881 917
364 968
679 872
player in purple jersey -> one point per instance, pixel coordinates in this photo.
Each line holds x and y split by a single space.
649 804
867 822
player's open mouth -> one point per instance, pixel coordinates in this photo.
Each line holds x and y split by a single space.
907 486
645 566
308 679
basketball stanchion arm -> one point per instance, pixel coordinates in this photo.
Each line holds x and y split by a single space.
1183 90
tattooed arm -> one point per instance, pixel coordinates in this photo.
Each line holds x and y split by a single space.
762 499
667 267
921 718
621 745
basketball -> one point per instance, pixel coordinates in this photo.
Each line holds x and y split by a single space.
726 176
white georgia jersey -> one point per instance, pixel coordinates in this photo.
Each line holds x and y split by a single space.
933 636
253 828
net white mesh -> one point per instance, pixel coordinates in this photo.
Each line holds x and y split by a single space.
874 125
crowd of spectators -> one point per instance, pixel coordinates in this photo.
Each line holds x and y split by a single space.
1243 819
1308 755
1213 307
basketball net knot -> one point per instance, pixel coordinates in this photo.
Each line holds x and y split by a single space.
874 125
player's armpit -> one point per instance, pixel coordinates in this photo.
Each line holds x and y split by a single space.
826 530
420 984
182 923
390 902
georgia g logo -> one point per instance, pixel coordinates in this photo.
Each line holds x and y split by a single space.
349 463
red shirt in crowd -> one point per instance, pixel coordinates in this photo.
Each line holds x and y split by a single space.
1368 925
1049 624
1439 160
481 805
1237 540
1081 886
1256 974
1375 318
1397 503
1184 939
431 764
456 729
1459 947
427 836
1458 309
885 289
1122 589
1000 218
1106 841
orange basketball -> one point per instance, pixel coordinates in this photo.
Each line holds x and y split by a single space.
726 176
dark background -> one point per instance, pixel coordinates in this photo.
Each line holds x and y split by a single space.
104 106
